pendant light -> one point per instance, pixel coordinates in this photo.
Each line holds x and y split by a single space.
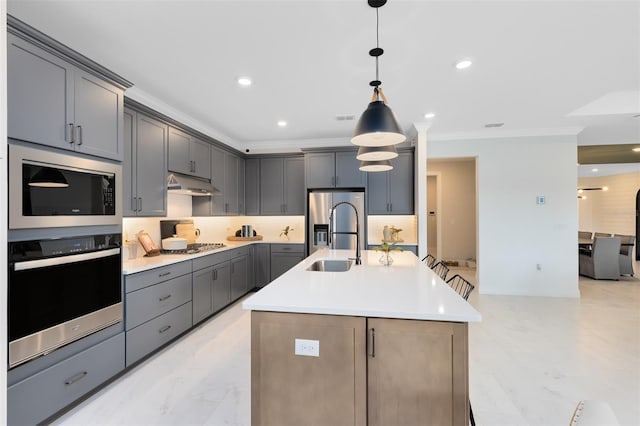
378 125
376 166
369 153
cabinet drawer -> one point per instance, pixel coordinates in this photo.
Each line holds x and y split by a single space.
212 259
41 395
150 302
157 275
240 251
287 248
149 336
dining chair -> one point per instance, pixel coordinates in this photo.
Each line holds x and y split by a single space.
461 286
429 260
441 269
603 262
626 250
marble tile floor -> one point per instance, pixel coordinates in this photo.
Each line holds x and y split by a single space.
531 360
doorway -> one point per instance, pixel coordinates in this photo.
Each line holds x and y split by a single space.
432 215
637 224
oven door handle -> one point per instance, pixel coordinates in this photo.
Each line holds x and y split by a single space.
43 263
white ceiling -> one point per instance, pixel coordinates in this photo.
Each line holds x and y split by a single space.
540 67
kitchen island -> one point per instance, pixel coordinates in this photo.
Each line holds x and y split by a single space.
374 345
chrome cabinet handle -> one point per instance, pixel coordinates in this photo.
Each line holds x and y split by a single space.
163 329
164 274
71 135
139 204
373 342
163 298
80 135
75 378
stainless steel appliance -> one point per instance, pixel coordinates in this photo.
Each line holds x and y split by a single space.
344 219
50 189
60 290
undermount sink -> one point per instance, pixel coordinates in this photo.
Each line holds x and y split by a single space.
330 265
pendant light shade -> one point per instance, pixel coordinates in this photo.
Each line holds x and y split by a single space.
378 126
367 153
375 166
48 178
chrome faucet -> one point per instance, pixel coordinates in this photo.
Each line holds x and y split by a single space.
357 232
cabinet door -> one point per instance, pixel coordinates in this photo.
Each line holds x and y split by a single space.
217 180
401 184
241 174
320 170
252 187
129 196
294 191
238 277
231 185
221 286
271 186
282 262
151 166
291 389
348 174
98 116
263 264
199 154
417 372
39 95
377 187
179 159
202 294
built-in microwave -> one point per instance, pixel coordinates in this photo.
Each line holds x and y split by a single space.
52 189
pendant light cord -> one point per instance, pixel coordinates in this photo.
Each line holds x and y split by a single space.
377 41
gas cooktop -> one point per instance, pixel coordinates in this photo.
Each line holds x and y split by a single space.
195 248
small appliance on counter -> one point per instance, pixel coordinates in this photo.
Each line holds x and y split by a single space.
181 236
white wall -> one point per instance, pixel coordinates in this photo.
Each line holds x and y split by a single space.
458 215
612 211
514 233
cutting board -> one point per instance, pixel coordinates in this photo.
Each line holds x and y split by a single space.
187 231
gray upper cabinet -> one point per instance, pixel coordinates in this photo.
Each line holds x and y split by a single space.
227 175
53 102
188 154
252 187
282 186
392 192
333 170
145 166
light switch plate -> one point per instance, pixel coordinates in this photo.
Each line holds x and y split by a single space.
306 347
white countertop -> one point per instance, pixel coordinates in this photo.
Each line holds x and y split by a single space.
140 264
407 289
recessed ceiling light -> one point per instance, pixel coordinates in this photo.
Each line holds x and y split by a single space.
636 150
282 123
244 81
429 115
594 170
465 63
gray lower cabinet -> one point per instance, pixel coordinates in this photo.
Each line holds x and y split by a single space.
282 189
284 257
157 308
262 264
392 192
36 398
52 102
145 166
239 286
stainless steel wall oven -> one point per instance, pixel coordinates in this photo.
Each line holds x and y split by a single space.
60 290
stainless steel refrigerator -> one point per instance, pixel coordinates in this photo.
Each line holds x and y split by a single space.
344 220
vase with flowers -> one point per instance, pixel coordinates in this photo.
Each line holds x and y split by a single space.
386 248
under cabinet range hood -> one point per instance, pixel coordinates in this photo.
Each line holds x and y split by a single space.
188 185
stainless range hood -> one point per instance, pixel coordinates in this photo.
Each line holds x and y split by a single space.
188 185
